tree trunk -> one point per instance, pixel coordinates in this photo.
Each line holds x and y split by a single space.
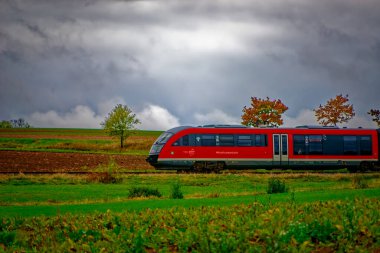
122 139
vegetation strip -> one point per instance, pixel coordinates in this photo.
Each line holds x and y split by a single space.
332 226
138 205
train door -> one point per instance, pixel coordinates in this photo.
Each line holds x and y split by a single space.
280 149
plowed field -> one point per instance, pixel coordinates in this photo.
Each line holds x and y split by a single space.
15 161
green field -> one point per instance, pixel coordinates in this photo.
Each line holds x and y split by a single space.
31 195
219 213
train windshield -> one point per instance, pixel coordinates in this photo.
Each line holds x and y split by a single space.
163 138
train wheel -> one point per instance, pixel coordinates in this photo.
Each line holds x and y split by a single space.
199 167
365 166
352 169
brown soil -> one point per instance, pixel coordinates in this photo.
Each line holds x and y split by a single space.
16 161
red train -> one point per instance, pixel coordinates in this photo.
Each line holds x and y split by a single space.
217 147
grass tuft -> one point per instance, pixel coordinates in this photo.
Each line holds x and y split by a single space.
276 185
176 192
359 182
109 174
137 192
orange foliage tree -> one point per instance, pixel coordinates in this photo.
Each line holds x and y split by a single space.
375 116
336 110
264 112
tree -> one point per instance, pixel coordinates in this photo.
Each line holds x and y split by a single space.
336 110
20 123
5 124
375 116
264 112
119 122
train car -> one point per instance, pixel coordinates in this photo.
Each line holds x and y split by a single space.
217 147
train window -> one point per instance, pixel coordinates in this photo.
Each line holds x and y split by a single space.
183 141
163 138
350 146
208 140
244 140
333 145
226 140
260 140
315 144
365 145
177 142
276 143
299 146
284 144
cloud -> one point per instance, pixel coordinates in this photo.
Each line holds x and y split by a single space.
215 117
304 117
199 60
154 117
79 117
105 107
307 117
360 121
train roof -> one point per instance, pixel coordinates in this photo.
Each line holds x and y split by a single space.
225 126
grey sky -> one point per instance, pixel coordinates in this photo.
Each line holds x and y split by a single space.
67 63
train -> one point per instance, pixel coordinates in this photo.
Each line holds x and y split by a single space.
212 148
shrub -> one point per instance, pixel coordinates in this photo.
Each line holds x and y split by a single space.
102 177
176 192
108 174
276 186
7 238
136 192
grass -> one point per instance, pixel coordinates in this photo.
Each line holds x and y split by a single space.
219 213
75 141
133 145
69 131
124 205
65 191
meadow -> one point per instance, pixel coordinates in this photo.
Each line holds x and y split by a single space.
228 212
219 213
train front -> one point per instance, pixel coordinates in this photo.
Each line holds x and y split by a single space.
159 144
155 150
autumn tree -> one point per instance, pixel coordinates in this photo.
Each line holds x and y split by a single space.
375 116
263 112
119 122
336 110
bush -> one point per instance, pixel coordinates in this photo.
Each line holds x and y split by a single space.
276 186
136 192
103 177
176 192
108 174
7 238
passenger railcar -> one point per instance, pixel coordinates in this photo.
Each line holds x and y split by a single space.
217 147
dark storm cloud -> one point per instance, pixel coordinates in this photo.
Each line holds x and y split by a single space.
194 59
